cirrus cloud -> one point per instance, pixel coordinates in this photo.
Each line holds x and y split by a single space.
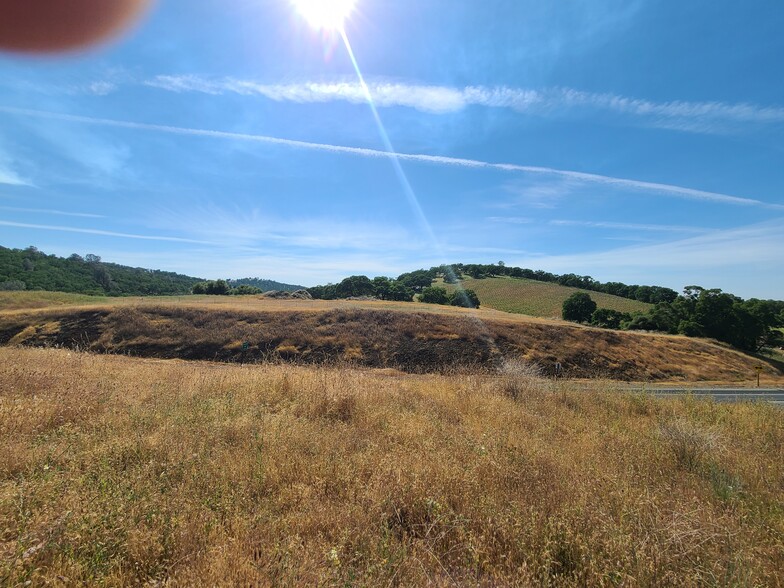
707 117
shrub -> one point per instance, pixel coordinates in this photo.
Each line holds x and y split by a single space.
215 288
690 329
387 289
355 286
244 290
578 307
434 295
641 322
13 285
465 298
608 318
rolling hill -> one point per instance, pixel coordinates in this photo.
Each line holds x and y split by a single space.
540 299
410 337
32 269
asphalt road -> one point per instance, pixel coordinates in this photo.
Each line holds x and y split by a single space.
774 395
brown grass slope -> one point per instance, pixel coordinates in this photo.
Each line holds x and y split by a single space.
118 471
542 299
406 337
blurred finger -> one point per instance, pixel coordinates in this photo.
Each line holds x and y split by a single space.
60 25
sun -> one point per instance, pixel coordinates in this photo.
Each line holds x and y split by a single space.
328 15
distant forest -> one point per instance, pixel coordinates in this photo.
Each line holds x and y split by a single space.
746 324
264 285
750 325
409 283
31 269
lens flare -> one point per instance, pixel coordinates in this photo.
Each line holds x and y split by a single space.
328 15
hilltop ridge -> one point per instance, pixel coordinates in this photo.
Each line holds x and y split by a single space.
32 269
411 337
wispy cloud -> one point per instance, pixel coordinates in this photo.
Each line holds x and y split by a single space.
101 159
629 226
251 229
521 220
510 220
101 232
704 259
538 194
478 250
711 116
8 174
109 83
302 267
11 178
705 112
51 211
97 88
621 183
435 99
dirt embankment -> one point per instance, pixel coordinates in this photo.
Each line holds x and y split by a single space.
409 341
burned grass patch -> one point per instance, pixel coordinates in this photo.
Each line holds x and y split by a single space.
414 342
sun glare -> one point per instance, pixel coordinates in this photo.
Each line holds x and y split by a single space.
325 14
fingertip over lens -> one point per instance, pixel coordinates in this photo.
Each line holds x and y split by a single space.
52 26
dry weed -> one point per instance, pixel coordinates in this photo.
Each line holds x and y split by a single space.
520 378
690 442
122 471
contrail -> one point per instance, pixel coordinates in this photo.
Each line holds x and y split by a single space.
100 232
636 185
51 211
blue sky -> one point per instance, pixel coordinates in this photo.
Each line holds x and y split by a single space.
631 140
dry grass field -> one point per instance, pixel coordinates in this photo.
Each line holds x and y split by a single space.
11 302
541 299
123 471
406 336
27 300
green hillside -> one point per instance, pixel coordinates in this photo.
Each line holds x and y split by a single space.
542 299
31 269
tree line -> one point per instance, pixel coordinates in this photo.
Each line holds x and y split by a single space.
698 312
264 285
749 325
31 269
414 282
380 287
407 287
224 288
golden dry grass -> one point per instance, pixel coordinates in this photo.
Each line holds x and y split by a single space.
36 299
413 339
120 471
12 302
